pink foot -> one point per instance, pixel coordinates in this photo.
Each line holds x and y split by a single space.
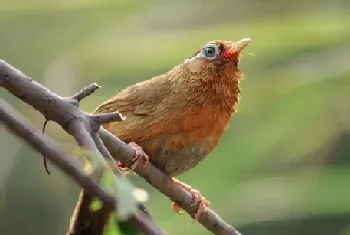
121 166
198 199
139 154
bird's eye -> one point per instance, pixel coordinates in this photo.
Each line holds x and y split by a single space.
210 52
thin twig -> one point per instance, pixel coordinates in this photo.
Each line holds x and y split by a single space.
86 91
44 157
103 118
107 156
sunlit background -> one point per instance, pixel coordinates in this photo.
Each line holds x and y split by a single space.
283 167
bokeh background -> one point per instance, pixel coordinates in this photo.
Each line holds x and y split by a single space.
283 167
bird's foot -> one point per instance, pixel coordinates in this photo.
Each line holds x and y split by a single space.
121 166
198 199
139 154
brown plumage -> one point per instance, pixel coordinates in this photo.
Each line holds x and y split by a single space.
179 117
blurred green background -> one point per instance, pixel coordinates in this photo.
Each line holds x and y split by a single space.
283 167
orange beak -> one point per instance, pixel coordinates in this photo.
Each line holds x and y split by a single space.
237 47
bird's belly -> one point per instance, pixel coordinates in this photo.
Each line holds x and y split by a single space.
176 161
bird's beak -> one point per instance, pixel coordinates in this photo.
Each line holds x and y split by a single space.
237 47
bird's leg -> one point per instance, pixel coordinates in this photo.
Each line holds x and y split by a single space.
203 204
139 153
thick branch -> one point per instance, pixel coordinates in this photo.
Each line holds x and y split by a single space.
48 147
65 112
33 93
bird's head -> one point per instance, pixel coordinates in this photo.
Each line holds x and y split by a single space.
217 59
211 76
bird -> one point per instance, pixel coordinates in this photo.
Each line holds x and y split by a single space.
176 119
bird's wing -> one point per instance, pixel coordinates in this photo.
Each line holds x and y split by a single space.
139 99
140 104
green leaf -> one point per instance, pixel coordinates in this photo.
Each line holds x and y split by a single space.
107 179
96 162
125 229
115 227
112 227
126 202
95 205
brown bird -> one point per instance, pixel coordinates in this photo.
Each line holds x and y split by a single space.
176 119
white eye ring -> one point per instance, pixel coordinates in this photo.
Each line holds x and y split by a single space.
213 54
202 53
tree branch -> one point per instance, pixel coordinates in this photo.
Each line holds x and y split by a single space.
60 111
48 147
85 92
65 111
106 118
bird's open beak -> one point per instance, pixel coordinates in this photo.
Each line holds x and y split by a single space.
237 47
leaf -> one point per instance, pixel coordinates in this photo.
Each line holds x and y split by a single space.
140 195
95 205
96 162
115 227
125 229
112 227
107 179
94 166
126 202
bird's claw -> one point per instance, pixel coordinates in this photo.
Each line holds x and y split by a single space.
198 199
177 208
203 205
139 154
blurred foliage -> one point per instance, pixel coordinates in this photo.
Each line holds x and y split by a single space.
283 165
112 227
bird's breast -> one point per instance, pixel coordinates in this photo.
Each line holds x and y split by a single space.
176 157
